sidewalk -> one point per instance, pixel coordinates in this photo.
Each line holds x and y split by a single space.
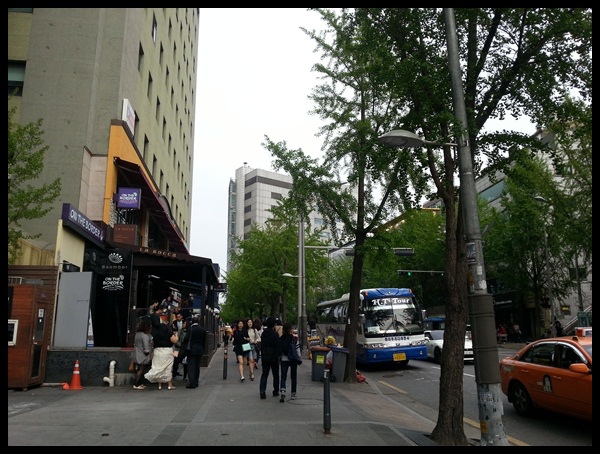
220 412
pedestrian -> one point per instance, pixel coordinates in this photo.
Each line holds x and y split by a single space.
156 317
270 352
258 325
290 356
558 327
142 351
241 338
254 337
194 351
186 309
516 332
279 326
161 371
153 306
178 326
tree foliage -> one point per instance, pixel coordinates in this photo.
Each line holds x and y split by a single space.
26 200
256 285
386 69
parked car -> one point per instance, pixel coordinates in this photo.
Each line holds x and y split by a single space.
553 374
434 341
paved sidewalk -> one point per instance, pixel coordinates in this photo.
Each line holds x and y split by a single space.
220 412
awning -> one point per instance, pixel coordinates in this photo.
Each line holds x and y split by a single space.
155 204
184 269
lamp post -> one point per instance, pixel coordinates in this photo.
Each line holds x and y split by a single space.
302 321
481 309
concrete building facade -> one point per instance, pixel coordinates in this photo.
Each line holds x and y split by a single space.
115 89
252 194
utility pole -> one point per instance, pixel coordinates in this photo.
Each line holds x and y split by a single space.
481 308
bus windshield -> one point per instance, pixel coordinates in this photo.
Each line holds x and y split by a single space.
390 325
385 316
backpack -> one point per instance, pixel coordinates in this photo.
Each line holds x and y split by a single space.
293 353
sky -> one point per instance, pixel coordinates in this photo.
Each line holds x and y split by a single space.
254 79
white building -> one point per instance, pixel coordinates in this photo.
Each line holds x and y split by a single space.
252 194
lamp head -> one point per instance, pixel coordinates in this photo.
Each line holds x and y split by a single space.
401 138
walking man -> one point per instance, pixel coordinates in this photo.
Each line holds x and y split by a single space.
195 349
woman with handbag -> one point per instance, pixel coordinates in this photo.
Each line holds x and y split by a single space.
254 337
242 347
162 358
142 352
290 360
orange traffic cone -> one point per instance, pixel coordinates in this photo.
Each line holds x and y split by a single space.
76 379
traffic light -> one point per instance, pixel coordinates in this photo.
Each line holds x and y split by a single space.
405 273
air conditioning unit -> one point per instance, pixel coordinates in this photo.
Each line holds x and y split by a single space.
15 280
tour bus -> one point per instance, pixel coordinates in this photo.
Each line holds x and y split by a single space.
390 327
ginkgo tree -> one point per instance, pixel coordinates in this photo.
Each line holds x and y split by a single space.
387 68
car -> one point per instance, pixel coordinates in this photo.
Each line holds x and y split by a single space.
552 374
434 341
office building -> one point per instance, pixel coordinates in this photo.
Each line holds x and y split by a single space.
98 77
252 194
116 91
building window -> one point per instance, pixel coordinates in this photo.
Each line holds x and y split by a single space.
16 76
154 29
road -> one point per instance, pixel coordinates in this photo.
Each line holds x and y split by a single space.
417 386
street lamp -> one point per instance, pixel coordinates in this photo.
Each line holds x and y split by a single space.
302 321
538 198
481 309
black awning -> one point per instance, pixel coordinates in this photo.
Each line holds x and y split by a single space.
156 205
186 270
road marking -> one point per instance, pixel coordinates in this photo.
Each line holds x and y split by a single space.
401 391
468 421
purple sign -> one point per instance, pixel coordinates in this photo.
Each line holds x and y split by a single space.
79 222
129 198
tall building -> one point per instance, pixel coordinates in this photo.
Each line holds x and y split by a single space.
115 89
252 194
99 78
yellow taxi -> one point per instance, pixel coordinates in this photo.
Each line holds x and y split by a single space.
553 374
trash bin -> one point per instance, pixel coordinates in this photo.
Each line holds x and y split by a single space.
318 362
338 370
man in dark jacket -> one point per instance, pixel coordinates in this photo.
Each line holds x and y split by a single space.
270 352
195 349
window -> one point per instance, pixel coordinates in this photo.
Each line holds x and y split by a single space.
154 29
16 76
13 326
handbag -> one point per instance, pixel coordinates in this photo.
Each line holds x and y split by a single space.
246 347
132 366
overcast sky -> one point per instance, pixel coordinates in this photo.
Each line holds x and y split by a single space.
254 78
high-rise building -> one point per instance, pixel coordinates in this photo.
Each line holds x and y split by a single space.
115 88
252 194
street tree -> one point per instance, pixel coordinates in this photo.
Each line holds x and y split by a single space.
357 181
256 285
389 67
26 199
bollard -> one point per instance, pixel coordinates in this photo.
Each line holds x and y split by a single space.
225 361
326 403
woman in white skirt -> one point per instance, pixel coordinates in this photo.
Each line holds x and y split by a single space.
162 359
